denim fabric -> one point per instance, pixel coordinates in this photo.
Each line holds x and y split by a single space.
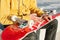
1 26
51 29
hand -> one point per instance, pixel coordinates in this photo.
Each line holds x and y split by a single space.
47 17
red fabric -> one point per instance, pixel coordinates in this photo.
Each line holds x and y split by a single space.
12 32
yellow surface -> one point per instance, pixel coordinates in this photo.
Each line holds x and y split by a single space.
14 7
4 11
18 8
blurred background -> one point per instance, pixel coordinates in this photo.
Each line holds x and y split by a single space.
49 4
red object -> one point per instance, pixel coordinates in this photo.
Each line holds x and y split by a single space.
12 32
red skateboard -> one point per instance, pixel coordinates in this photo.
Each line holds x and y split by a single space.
13 32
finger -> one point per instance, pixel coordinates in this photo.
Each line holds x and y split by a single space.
46 18
49 17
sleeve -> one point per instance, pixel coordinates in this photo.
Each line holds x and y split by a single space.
13 7
34 8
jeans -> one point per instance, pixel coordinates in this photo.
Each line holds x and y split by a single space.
1 26
51 29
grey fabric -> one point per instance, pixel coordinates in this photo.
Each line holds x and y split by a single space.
33 36
1 26
51 29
